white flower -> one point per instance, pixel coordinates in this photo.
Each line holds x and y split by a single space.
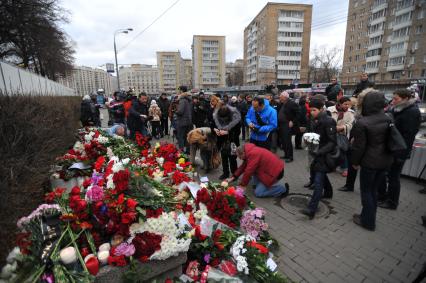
118 166
78 146
68 255
125 161
160 160
13 255
102 139
8 270
89 136
110 183
110 153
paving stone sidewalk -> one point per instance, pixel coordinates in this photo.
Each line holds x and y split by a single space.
333 248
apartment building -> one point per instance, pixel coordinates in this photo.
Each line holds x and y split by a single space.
234 73
208 57
276 45
140 78
171 70
386 39
86 80
188 73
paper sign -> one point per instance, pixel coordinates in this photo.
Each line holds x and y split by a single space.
183 221
206 226
80 166
270 263
194 188
204 179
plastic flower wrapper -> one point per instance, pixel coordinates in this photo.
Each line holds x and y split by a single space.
253 222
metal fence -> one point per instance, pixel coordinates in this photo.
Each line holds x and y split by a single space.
15 80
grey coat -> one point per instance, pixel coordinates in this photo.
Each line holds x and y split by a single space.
184 111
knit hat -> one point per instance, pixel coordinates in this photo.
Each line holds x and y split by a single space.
316 103
153 102
234 99
285 94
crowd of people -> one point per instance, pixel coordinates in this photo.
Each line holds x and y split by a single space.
356 134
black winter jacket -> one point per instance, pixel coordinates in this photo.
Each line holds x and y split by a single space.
407 120
134 120
164 105
199 114
370 134
287 112
325 126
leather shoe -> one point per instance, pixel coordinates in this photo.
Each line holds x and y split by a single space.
345 189
387 205
422 191
308 213
308 185
356 218
288 160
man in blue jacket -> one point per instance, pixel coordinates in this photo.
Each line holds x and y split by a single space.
262 120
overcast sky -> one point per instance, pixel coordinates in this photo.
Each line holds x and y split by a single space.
93 22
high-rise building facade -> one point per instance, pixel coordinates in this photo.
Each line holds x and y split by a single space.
140 78
86 80
385 39
171 71
208 60
276 45
188 73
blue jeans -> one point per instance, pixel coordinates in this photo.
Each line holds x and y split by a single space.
321 183
262 191
370 180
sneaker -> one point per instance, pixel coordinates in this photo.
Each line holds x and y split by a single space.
223 177
345 189
308 213
345 173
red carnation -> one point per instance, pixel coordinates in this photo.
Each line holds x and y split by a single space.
117 260
146 244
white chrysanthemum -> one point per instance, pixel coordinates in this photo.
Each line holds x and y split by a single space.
110 153
110 183
125 161
118 166
78 146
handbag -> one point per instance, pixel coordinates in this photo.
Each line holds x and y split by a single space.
395 142
342 142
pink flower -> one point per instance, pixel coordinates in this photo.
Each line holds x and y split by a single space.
125 249
96 193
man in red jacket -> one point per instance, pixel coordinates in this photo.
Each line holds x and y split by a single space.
266 169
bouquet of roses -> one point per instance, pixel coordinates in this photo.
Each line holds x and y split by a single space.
224 206
253 222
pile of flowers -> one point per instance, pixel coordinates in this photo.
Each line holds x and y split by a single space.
135 205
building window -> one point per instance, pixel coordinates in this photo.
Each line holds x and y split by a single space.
410 74
421 14
424 58
356 58
423 73
396 75
419 29
415 45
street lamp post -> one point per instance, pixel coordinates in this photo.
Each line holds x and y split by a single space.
115 53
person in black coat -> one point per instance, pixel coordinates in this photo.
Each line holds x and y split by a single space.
164 105
199 112
288 115
407 120
184 118
227 119
363 84
243 107
138 116
332 91
370 152
325 127
88 114
302 121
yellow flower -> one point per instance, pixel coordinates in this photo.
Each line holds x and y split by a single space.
181 160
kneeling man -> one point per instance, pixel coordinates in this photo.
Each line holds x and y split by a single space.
264 167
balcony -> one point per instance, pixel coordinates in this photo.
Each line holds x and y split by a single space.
295 58
401 25
290 29
282 38
288 67
376 33
395 68
379 7
404 10
290 19
374 46
289 48
372 70
373 58
287 76
378 20
399 39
